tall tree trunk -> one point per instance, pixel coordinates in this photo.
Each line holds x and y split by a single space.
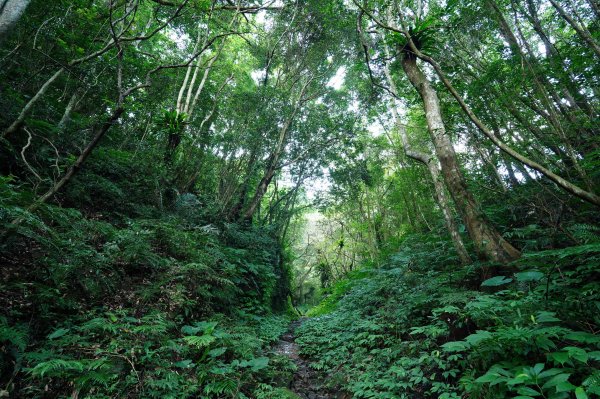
273 163
561 182
10 12
434 171
489 244
66 117
444 203
261 190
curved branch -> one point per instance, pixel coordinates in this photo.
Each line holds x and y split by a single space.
561 182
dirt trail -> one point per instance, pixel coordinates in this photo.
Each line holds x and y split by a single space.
306 383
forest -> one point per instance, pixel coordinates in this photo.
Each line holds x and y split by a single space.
300 199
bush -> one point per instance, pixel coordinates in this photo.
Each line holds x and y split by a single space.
415 327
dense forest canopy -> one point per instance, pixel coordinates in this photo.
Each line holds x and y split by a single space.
416 181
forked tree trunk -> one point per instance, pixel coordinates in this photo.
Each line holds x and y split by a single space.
442 200
434 170
489 244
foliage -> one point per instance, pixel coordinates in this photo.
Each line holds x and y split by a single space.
117 305
116 353
416 326
179 179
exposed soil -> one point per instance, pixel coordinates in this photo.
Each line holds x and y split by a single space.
306 383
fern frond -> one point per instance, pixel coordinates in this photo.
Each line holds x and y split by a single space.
15 336
199 341
57 367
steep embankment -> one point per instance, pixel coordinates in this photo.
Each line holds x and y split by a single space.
424 327
166 305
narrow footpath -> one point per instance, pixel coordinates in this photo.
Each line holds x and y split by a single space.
306 383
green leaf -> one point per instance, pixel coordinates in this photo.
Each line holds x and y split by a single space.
494 376
217 352
595 355
550 373
583 337
557 379
488 377
559 357
577 353
206 327
546 317
256 363
184 364
528 391
201 341
537 369
529 276
58 333
496 281
580 393
565 386
455 346
479 336
519 379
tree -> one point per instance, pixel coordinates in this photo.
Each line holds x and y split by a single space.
10 12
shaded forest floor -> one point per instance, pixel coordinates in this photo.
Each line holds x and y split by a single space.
419 326
306 383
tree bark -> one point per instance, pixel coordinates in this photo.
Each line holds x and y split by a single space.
444 203
10 12
489 244
434 171
66 117
21 118
561 182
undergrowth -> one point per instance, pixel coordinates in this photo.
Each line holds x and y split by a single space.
167 306
422 326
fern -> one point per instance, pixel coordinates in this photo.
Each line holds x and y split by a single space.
226 387
100 324
199 341
15 336
585 233
57 368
